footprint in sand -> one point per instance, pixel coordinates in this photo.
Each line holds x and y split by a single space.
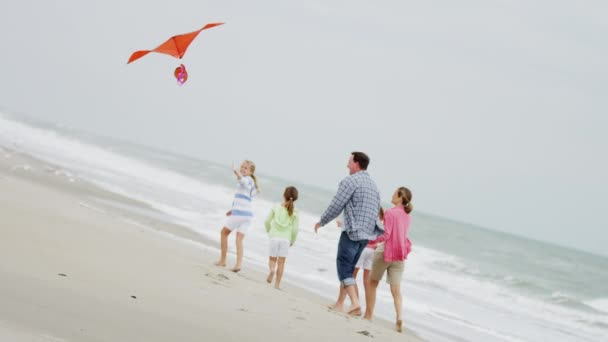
365 333
218 283
218 276
218 279
300 311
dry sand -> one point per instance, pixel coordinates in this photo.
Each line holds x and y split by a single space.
71 271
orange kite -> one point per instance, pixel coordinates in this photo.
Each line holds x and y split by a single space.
175 46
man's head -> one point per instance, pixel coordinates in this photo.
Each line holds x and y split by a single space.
358 161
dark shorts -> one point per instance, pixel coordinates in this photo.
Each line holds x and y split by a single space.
349 252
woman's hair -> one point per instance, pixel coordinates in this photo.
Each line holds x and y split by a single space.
406 198
252 169
290 195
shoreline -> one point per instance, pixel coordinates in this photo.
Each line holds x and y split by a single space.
75 269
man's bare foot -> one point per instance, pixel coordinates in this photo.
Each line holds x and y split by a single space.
236 270
270 277
336 307
356 311
220 264
277 287
399 325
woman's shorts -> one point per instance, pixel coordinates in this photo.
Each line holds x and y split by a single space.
394 269
278 247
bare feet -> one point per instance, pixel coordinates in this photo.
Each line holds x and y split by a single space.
399 325
356 311
336 307
220 264
236 270
270 276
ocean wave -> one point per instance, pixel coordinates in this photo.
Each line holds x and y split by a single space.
454 318
599 304
523 285
460 268
568 300
596 306
559 297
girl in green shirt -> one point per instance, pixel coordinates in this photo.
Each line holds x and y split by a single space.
282 228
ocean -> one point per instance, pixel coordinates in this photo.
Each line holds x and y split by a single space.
462 282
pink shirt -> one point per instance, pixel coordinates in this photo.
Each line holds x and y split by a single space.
396 244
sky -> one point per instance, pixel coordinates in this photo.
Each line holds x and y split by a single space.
492 112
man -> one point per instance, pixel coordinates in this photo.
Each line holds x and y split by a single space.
359 198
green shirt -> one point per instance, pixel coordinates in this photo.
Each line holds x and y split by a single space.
280 225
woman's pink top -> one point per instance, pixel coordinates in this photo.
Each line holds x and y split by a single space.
396 244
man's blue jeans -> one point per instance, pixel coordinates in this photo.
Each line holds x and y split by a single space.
349 252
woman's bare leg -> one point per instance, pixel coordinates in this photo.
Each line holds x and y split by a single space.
369 310
396 292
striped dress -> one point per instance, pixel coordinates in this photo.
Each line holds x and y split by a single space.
241 205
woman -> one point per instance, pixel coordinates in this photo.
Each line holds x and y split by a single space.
390 255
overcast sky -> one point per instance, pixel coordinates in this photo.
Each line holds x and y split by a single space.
492 112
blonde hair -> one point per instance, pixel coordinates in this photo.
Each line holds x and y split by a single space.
252 169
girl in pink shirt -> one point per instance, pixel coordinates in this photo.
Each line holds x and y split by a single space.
393 248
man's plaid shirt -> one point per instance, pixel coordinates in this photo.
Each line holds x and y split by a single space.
359 197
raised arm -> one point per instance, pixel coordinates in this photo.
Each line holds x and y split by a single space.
236 172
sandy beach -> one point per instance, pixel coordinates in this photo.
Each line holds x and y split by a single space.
73 269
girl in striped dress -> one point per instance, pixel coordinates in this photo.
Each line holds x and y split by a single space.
240 216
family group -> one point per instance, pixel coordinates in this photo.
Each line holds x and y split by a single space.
372 239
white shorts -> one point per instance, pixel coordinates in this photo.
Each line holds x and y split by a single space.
278 247
366 259
239 224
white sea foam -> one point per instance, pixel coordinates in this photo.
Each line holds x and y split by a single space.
24 167
600 304
92 207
